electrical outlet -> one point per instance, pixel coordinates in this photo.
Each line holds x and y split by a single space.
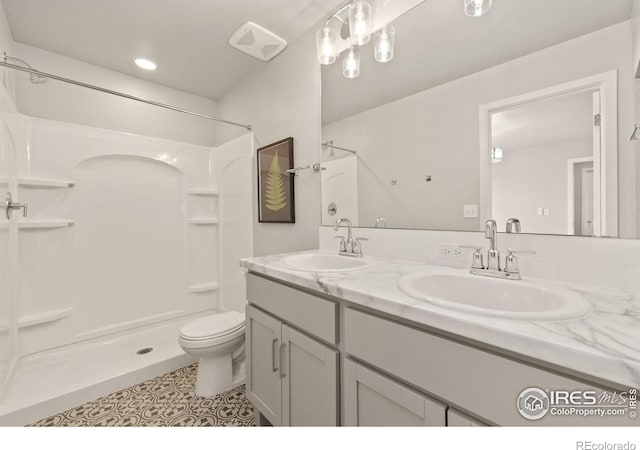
451 251
452 255
470 211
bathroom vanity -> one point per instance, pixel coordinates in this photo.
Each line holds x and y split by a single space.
350 348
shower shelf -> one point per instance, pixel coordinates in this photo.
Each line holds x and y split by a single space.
45 184
42 318
204 287
203 221
204 192
44 224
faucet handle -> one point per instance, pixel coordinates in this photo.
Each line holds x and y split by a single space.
357 246
511 263
478 262
343 243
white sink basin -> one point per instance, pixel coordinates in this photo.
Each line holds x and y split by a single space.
318 262
495 297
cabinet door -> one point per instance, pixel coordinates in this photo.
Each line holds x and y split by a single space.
374 400
457 419
263 342
309 383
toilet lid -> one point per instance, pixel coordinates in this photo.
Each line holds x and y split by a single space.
213 326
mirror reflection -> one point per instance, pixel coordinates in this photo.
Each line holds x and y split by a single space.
523 116
542 165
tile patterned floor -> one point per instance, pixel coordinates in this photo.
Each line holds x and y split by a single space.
168 400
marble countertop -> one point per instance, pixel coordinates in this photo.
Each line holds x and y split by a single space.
604 344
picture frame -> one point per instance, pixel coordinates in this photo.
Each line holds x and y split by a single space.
276 200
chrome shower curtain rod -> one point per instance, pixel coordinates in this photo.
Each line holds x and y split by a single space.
119 94
330 145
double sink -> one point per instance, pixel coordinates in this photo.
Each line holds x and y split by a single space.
461 291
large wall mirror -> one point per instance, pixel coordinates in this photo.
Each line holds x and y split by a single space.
522 115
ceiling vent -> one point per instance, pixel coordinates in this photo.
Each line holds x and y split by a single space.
257 41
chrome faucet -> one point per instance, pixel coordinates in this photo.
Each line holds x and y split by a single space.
348 246
511 270
513 225
10 206
493 256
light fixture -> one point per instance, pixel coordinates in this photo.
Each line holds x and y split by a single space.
635 136
360 17
145 64
351 63
326 44
476 8
383 42
350 27
496 155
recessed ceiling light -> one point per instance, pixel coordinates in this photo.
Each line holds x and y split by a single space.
145 64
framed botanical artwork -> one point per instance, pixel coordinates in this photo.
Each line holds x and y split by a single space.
275 184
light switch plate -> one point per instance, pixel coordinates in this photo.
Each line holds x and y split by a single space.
470 211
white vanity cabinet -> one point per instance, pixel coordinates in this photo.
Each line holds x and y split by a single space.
394 372
483 384
374 400
292 378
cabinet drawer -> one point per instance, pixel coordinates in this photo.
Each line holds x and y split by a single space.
315 315
477 381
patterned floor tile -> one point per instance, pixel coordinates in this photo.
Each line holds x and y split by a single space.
168 400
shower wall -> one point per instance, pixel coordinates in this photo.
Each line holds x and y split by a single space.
7 331
123 230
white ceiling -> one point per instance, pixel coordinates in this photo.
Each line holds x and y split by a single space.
436 43
558 119
187 38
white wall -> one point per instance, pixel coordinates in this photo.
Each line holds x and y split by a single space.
535 177
67 103
281 100
435 132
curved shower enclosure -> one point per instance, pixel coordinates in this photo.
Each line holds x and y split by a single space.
125 238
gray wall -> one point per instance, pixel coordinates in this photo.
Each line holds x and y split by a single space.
282 100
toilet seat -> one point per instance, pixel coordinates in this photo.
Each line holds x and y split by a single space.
213 330
218 342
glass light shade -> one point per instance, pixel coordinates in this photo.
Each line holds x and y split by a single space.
496 155
360 16
351 63
476 8
384 42
326 45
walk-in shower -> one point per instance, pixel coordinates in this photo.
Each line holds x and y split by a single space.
126 238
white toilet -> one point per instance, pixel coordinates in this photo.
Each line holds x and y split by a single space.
218 340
